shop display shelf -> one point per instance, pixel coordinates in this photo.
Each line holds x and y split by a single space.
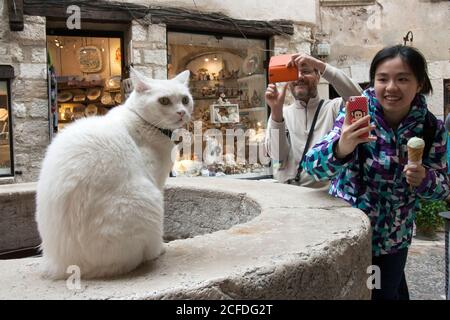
252 109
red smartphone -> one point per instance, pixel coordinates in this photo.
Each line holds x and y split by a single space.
357 108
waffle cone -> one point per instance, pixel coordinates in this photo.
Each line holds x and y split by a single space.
415 154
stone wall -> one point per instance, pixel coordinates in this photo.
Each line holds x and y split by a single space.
303 10
149 49
357 33
18 227
26 52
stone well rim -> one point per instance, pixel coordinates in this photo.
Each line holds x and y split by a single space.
296 229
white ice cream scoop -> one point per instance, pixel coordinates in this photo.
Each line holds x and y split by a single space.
416 143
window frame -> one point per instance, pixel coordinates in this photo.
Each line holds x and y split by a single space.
10 127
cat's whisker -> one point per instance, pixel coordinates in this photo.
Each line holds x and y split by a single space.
157 124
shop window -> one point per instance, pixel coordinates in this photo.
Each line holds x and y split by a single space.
88 72
228 81
6 165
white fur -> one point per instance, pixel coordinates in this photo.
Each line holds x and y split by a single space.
100 191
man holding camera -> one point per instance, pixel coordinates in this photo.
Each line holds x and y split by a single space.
296 127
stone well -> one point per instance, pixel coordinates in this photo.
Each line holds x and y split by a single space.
232 239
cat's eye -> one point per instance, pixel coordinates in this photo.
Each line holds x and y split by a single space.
164 101
185 100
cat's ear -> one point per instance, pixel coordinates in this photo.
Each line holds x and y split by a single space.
183 77
140 83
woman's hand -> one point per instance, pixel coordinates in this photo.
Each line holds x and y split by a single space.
275 100
350 135
415 173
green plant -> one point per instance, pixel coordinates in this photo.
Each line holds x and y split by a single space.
428 220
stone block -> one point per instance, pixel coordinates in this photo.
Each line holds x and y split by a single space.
21 157
145 70
31 34
281 45
16 52
29 174
38 109
142 45
33 71
160 73
19 110
28 89
158 45
435 100
5 57
137 58
18 88
3 48
4 33
31 133
157 33
17 225
29 159
138 32
39 55
34 19
439 70
156 57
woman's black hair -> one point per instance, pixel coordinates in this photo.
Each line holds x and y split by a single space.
412 57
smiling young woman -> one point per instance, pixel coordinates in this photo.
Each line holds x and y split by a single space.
396 82
373 173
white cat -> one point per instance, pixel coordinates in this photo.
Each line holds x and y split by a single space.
100 191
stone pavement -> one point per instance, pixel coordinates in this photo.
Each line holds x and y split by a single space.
425 268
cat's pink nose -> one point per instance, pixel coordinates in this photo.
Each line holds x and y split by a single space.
181 113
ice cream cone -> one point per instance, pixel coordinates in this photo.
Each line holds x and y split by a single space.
415 155
415 150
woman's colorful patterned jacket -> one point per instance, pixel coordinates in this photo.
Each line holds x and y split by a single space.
388 200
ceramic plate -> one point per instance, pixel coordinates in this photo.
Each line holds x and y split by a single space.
64 96
91 110
118 98
114 82
79 97
107 99
94 93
